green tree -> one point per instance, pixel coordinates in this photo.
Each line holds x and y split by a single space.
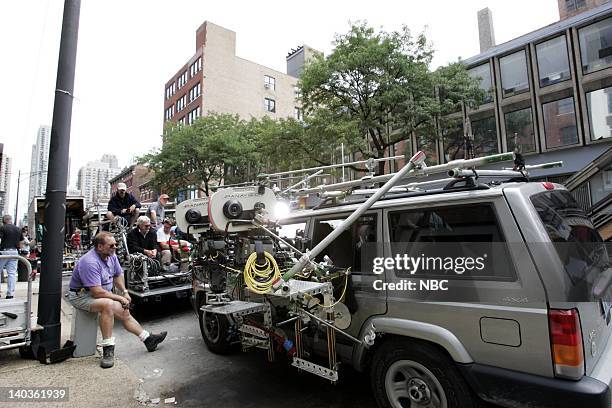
379 85
216 147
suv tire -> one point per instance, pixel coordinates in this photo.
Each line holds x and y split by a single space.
421 374
215 331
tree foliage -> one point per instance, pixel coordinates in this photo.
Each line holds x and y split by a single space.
380 84
214 148
373 91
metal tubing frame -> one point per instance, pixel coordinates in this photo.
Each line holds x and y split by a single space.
331 166
417 159
425 171
23 260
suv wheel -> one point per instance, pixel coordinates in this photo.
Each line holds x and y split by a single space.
215 331
415 374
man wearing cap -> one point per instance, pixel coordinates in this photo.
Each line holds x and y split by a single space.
123 204
91 290
156 211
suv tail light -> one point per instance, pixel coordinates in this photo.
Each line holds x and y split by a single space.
566 342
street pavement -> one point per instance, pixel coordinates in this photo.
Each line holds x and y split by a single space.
183 368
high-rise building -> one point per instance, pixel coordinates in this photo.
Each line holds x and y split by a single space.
39 163
5 181
111 159
569 8
93 179
215 79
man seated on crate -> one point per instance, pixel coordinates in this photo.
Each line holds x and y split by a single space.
168 244
91 290
123 204
141 239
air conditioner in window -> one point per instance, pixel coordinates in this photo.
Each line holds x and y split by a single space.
267 86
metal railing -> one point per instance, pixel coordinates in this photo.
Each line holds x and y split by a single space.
28 316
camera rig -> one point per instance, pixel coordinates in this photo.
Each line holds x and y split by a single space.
262 291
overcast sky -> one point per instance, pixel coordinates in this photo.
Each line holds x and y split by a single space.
128 49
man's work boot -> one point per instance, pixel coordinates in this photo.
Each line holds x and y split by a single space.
108 357
154 339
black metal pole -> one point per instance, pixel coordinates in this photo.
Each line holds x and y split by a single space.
50 290
17 201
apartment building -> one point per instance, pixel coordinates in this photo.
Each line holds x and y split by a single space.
215 79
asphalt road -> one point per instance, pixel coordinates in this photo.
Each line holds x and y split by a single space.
183 368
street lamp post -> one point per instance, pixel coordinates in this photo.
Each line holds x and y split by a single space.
50 292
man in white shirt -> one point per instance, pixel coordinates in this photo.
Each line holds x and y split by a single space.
167 242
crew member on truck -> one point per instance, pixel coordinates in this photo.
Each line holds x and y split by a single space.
141 239
123 204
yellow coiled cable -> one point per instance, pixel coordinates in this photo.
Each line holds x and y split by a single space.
259 278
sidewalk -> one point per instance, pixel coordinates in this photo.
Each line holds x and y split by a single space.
88 384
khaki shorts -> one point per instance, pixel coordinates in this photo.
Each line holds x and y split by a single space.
80 300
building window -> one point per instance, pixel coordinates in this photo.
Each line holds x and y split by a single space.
181 121
169 113
171 90
195 67
452 138
485 136
596 46
195 92
572 5
193 115
269 82
519 131
297 112
553 62
601 185
269 105
560 123
514 73
182 79
599 105
180 104
483 72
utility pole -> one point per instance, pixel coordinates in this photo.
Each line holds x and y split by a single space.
50 292
17 200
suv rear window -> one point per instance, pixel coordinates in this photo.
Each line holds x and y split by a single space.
461 232
577 242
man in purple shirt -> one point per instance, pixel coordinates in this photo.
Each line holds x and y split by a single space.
90 290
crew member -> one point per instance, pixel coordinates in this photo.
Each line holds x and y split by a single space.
141 239
90 290
156 211
123 204
167 242
10 242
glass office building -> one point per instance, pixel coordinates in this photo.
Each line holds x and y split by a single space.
548 92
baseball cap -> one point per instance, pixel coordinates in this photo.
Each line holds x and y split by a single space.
166 196
121 186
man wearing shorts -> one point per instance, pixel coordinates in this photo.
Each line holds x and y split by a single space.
90 290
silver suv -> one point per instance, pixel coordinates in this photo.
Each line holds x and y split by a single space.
531 328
